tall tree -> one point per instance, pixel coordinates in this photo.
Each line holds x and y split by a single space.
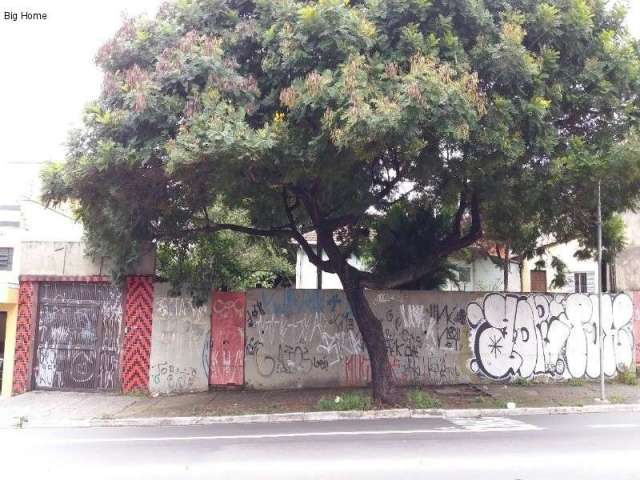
308 115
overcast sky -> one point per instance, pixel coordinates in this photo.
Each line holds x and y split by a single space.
48 75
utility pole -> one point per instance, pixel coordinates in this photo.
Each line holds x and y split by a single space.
600 333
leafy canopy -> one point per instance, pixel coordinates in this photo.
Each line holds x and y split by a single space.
308 114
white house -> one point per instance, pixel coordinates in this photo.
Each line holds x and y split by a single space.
309 276
479 273
582 275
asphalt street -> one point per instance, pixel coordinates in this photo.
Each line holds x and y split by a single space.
583 446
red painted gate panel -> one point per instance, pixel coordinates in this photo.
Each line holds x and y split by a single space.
636 326
226 366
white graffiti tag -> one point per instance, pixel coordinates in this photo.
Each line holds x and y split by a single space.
525 335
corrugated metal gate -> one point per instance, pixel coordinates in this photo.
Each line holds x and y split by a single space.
78 336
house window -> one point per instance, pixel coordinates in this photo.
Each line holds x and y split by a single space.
6 259
584 282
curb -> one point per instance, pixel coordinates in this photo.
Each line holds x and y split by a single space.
400 413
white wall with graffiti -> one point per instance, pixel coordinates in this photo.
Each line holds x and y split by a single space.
288 338
179 360
514 335
309 338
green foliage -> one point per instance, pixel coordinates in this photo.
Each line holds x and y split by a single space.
613 240
316 115
490 402
576 382
407 234
627 377
224 261
348 401
617 399
561 271
521 382
420 399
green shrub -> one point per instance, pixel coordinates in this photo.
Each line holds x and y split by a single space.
522 382
576 382
616 399
627 377
490 402
500 403
348 401
420 399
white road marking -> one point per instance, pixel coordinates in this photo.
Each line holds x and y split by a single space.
464 425
615 425
264 436
493 424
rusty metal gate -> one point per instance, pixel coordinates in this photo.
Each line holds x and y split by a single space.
78 337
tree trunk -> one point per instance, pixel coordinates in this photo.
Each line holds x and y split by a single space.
382 377
505 269
521 273
613 284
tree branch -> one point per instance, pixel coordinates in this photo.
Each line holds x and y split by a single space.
312 255
218 227
451 244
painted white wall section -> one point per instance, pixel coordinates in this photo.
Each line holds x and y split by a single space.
179 344
307 273
515 336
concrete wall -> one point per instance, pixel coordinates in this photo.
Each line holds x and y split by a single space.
48 225
71 259
308 338
425 334
179 344
556 336
299 338
628 261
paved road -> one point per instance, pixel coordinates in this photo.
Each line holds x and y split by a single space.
567 447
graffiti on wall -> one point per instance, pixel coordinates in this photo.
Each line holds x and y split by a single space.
310 338
180 345
423 337
516 335
227 339
300 334
78 336
175 378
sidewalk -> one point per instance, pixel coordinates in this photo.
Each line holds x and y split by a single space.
74 409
